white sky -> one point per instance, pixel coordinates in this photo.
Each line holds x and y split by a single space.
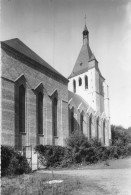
53 29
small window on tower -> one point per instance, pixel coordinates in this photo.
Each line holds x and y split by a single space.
74 86
86 82
81 64
80 81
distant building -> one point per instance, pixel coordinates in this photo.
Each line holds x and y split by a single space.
88 96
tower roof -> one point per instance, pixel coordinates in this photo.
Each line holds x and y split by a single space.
85 28
84 58
82 63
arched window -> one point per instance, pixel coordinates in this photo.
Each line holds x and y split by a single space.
104 131
22 108
74 86
40 113
86 82
72 120
80 81
97 128
54 114
81 122
90 126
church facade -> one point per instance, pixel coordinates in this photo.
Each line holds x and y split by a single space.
34 98
89 96
41 106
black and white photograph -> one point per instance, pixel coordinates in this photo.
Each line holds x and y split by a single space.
65 92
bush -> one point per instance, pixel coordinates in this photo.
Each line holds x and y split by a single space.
6 154
51 156
13 162
91 156
76 140
80 150
83 150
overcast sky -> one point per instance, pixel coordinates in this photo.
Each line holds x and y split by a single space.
53 29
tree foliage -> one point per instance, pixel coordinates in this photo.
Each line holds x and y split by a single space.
120 136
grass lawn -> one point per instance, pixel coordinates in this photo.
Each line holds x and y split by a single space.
96 179
38 184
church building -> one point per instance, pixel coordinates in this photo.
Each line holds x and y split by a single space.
34 98
41 106
88 96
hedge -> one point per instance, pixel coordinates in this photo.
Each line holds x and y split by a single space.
12 162
80 150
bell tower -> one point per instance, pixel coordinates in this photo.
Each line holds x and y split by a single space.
86 79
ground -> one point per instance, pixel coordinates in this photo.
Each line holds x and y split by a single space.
98 179
101 179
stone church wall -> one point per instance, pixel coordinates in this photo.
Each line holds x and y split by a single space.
14 70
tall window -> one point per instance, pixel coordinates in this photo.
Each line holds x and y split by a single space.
22 108
72 121
74 86
40 113
97 128
104 131
80 81
90 126
54 113
81 121
86 82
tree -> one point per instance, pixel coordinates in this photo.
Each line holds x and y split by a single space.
120 135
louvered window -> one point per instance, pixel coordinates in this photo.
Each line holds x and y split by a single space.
74 86
80 81
86 82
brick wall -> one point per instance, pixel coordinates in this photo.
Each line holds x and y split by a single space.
14 71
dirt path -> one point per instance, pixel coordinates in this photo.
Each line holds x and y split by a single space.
105 181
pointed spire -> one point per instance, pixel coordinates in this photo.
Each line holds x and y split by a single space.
85 19
85 33
85 29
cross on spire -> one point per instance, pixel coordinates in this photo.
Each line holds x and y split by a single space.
85 19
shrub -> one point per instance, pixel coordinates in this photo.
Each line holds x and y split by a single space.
67 159
129 149
52 155
6 155
83 150
91 156
13 162
76 140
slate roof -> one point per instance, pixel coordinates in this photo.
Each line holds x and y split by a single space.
82 62
77 100
20 47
